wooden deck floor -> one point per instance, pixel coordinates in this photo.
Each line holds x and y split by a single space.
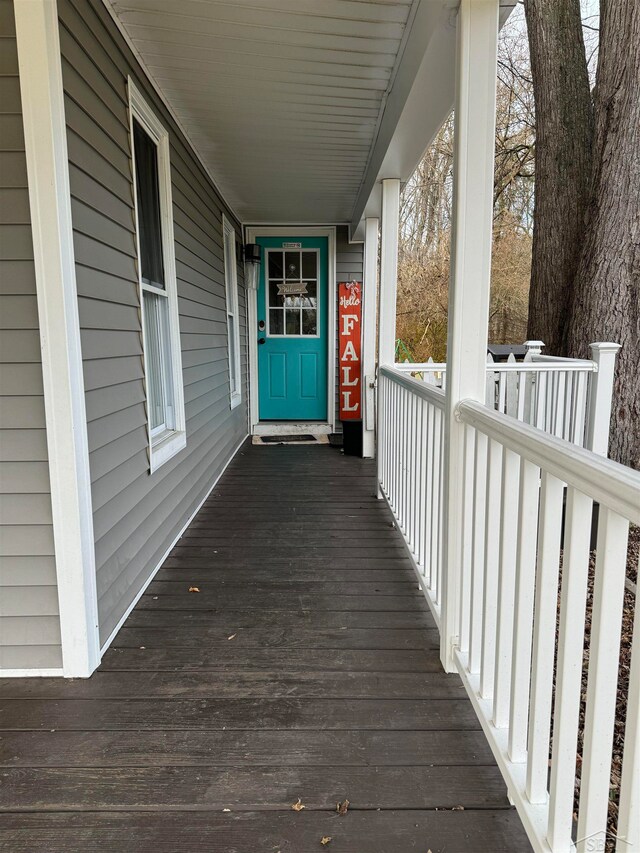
306 667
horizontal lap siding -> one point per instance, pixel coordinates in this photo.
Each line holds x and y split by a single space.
29 621
138 515
349 266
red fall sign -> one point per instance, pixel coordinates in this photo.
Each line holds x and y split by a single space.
349 339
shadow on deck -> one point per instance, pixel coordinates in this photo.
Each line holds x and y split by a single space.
306 667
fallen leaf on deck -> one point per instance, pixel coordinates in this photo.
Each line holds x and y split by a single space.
232 636
457 809
297 807
325 839
193 589
342 807
226 810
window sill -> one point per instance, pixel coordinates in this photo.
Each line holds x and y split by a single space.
166 446
235 400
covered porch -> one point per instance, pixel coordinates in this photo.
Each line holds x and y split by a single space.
324 628
303 667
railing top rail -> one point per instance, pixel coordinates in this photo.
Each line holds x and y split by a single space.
603 480
541 359
421 389
572 365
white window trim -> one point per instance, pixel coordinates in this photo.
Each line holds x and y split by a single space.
232 311
164 446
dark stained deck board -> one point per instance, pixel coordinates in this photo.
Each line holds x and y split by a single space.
229 621
403 831
240 685
307 666
282 659
243 748
320 639
229 714
254 788
343 589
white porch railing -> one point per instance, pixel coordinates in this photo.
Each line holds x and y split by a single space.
410 470
527 517
568 398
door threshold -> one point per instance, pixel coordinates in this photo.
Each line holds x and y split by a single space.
292 428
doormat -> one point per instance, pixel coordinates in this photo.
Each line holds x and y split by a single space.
290 439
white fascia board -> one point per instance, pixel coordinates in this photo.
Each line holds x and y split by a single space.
45 135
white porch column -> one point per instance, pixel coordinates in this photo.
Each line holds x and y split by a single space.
64 401
370 305
475 107
388 270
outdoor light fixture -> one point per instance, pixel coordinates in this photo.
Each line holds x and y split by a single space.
252 265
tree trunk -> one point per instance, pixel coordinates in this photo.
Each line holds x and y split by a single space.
564 124
606 301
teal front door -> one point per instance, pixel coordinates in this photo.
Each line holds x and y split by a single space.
293 316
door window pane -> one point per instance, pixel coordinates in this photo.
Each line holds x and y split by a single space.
275 300
276 322
309 321
309 261
293 321
275 265
309 299
292 265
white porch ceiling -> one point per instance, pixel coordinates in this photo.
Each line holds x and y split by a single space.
282 99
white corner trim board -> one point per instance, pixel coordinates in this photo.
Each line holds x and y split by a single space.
42 95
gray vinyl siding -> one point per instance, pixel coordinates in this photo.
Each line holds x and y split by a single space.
137 515
349 266
29 621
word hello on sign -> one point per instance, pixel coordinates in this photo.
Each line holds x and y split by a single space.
350 337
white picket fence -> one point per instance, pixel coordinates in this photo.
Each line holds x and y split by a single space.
527 518
568 398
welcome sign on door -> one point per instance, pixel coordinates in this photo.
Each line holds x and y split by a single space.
349 340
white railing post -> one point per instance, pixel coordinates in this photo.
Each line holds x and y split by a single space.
600 396
475 107
370 310
388 285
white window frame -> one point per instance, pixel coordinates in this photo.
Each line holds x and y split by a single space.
164 442
233 314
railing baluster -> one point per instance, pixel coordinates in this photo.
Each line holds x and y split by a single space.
491 557
428 496
502 393
581 409
467 544
478 536
604 651
437 469
544 636
506 589
573 596
523 613
432 481
414 472
629 809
